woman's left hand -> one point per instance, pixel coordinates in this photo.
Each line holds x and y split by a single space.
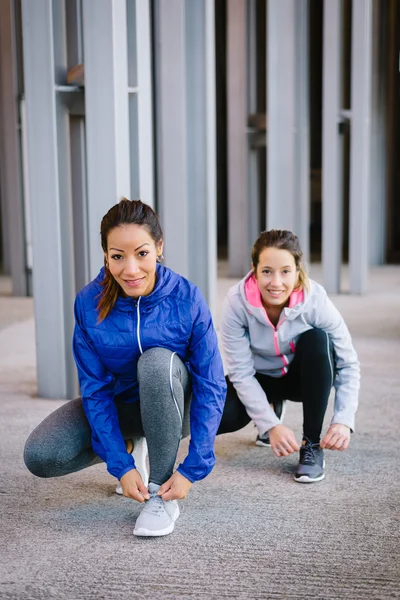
176 488
337 437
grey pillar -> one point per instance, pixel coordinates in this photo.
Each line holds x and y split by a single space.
239 242
10 169
185 107
145 102
107 115
378 204
332 201
172 166
253 163
288 202
302 127
360 151
201 146
78 147
50 194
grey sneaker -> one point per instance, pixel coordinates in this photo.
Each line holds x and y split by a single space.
311 464
139 454
157 517
279 407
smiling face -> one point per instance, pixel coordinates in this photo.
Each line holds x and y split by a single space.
276 276
132 257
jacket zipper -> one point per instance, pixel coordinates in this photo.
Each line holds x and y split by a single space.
138 326
276 344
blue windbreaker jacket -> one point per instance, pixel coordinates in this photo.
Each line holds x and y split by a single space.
174 316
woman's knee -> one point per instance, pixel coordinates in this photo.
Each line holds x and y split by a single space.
315 342
155 359
160 363
38 459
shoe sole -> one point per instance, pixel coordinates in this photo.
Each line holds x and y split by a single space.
148 533
307 479
263 444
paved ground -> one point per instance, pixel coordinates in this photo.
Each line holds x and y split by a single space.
247 531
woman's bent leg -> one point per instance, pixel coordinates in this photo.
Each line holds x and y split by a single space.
165 393
313 366
61 444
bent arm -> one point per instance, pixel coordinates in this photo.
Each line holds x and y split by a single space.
209 393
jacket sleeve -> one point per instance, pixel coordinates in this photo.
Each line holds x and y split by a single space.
208 393
241 372
347 368
96 384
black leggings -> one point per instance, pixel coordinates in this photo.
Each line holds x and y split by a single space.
309 380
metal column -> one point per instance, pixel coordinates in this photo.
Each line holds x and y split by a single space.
201 146
107 114
145 102
78 147
379 157
239 243
50 194
302 127
360 151
332 203
253 193
172 164
10 178
288 202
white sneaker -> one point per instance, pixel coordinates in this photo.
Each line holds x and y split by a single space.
158 516
139 454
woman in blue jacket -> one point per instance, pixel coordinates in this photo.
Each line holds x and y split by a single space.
148 363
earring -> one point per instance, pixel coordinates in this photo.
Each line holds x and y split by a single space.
160 257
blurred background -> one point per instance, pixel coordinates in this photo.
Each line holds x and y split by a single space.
227 116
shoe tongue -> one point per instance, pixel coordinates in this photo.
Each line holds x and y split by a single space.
153 488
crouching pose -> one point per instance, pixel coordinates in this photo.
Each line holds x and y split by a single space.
149 367
284 339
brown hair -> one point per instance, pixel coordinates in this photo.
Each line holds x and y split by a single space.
126 212
284 240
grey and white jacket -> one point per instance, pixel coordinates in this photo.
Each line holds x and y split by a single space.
252 344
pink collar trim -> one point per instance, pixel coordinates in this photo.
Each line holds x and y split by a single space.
253 294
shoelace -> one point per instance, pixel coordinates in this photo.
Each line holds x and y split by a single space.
154 505
307 453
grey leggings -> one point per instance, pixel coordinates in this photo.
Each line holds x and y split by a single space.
61 444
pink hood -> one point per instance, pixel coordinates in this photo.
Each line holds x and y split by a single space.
253 294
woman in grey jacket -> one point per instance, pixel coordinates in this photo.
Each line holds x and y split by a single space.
284 339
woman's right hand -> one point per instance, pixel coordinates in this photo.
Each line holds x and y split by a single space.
283 441
133 486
